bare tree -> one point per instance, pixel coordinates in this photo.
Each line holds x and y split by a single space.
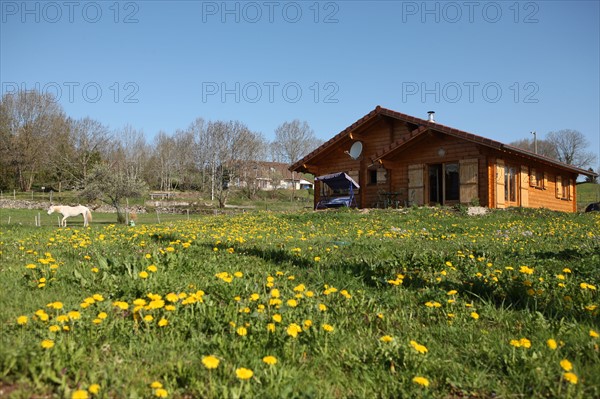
185 166
231 146
292 141
165 154
77 148
111 186
544 147
28 119
130 153
571 148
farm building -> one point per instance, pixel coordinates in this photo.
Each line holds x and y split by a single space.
401 160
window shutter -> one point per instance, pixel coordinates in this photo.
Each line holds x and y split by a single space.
532 178
524 186
415 184
500 183
468 175
559 188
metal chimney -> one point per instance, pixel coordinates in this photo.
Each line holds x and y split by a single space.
431 114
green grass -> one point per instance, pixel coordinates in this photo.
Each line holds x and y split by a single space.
586 194
466 303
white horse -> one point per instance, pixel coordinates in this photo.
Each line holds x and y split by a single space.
67 211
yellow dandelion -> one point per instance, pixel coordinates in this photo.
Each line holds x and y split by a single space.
270 360
94 388
244 373
418 347
80 394
47 344
292 303
421 381
386 338
210 362
293 330
594 334
566 365
570 377
552 344
22 320
328 327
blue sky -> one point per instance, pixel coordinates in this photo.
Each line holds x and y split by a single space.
497 69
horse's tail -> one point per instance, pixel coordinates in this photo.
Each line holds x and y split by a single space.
89 215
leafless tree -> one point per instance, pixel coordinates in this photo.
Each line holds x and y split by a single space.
27 119
111 186
230 147
165 154
130 153
292 141
571 147
76 148
544 147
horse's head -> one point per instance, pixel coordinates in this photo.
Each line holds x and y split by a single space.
50 210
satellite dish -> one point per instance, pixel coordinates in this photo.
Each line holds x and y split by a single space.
356 150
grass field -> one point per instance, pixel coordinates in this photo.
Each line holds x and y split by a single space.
345 304
586 194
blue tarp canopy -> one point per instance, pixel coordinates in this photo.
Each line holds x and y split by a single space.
338 181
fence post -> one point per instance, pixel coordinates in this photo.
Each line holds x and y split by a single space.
157 216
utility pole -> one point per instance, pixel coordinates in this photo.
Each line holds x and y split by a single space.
534 141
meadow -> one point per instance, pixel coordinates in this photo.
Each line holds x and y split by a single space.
412 303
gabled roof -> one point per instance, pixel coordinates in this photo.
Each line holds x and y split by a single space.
422 127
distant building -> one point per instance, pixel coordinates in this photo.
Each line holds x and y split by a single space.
271 176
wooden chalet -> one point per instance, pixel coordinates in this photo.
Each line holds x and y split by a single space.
402 161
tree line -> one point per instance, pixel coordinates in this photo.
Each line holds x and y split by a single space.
42 146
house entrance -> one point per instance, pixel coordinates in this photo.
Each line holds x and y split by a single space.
444 183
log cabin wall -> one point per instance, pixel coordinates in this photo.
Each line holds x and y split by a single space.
540 186
375 137
436 148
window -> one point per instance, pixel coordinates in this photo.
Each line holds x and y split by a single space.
536 179
444 183
510 184
373 176
451 182
377 176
